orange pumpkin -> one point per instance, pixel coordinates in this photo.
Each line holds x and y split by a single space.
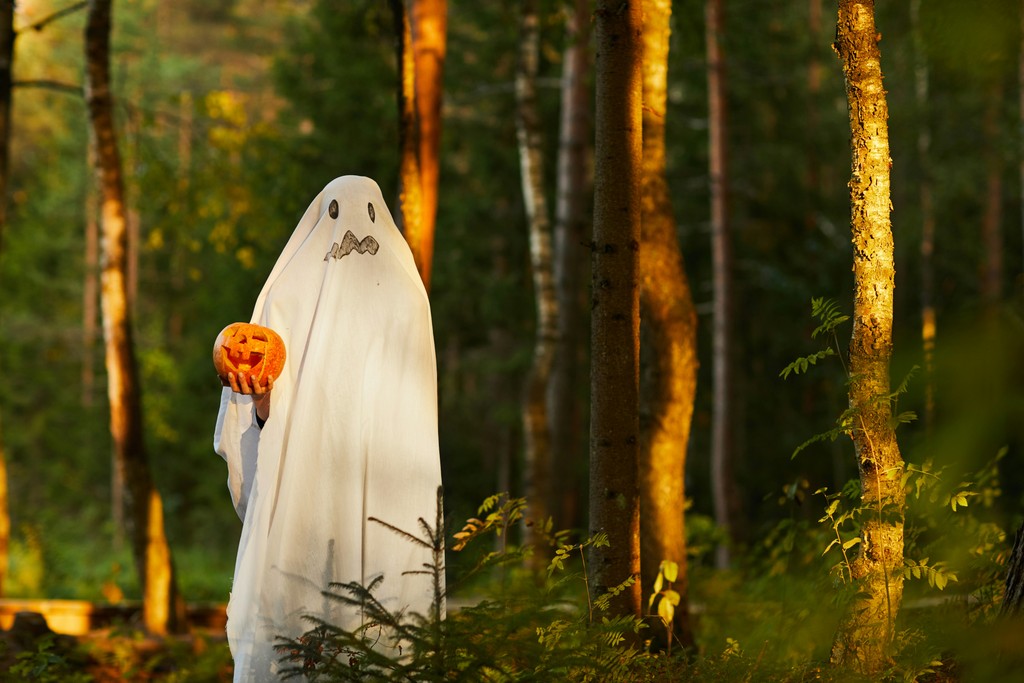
244 348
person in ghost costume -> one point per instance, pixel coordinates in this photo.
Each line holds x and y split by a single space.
351 430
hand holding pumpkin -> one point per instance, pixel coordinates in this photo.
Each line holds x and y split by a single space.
251 386
248 358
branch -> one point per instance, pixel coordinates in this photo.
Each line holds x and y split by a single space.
49 85
41 24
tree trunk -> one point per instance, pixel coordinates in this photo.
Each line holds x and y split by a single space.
814 74
571 231
867 630
1013 597
429 30
410 193
615 309
161 607
5 522
723 484
1020 105
536 431
924 144
669 311
7 37
992 233
90 287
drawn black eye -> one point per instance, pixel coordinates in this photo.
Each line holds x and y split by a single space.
373 215
333 208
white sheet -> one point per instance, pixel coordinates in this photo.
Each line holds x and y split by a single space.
352 431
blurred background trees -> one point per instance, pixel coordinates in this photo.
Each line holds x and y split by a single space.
231 112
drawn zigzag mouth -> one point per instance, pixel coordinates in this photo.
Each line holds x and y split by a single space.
350 243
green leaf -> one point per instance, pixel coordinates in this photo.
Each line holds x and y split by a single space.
852 542
802 364
670 569
904 418
902 388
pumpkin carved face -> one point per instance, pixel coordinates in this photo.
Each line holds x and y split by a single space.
244 348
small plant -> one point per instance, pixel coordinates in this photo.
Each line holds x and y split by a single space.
837 518
665 597
828 313
520 626
46 664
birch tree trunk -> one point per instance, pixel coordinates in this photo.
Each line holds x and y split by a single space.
410 192
161 607
866 633
7 36
723 485
571 231
429 30
668 308
536 430
615 314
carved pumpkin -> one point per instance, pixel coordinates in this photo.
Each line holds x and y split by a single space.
244 348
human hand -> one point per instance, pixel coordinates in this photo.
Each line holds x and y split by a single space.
251 386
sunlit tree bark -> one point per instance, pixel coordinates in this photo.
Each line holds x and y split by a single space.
572 228
615 314
7 36
867 630
411 189
536 430
668 309
724 493
429 31
161 607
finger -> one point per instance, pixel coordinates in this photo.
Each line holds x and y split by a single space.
270 384
257 388
243 384
233 382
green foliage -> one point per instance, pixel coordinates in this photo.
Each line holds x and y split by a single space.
222 155
828 312
803 363
48 664
527 628
829 316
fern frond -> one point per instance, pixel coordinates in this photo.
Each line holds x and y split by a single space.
830 435
829 313
802 364
905 383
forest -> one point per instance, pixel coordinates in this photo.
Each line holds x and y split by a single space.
727 303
